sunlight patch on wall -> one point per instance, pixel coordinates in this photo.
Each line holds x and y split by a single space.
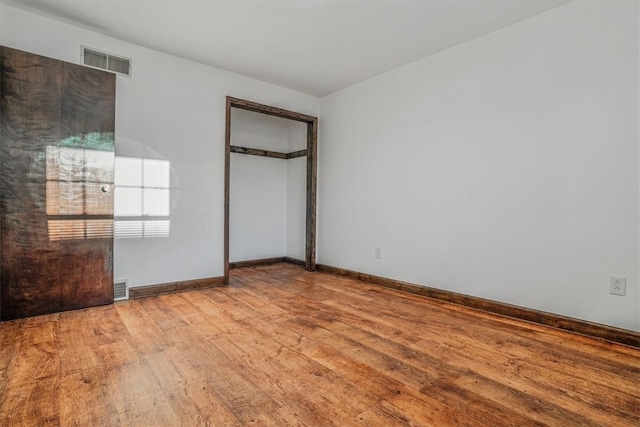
128 229
142 197
77 229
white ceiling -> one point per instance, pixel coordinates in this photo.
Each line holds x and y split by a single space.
315 47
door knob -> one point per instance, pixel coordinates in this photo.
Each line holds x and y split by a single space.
105 188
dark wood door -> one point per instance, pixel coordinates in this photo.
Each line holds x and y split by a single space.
56 180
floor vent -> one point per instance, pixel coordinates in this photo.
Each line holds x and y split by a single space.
121 290
106 61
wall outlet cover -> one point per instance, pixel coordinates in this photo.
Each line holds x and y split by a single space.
618 285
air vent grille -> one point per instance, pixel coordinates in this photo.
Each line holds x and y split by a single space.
119 65
95 59
121 290
106 61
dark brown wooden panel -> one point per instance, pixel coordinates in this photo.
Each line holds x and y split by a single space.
312 172
267 153
258 152
227 174
88 123
295 154
28 273
243 104
87 113
57 119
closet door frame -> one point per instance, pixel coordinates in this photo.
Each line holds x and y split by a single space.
311 153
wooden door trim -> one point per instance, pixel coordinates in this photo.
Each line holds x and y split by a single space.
312 167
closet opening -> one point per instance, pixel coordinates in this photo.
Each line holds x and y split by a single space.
292 155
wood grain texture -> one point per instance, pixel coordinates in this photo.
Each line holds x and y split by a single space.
282 346
296 154
22 189
266 153
172 287
243 104
47 104
227 174
258 152
312 186
584 327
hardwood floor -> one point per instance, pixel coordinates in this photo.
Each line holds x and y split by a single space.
284 347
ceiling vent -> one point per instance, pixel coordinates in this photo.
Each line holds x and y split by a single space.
106 61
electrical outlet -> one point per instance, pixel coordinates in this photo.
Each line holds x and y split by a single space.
618 285
378 253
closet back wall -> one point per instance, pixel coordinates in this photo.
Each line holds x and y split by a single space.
170 109
267 195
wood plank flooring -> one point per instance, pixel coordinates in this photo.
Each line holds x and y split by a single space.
284 347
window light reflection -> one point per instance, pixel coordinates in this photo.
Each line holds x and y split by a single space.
78 197
142 197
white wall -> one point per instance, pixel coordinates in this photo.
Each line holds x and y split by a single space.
257 207
267 196
505 168
171 109
262 211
